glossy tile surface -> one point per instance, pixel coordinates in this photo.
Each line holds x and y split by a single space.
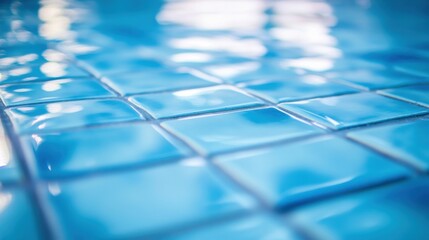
52 91
353 110
288 174
154 81
165 196
211 119
101 148
310 86
407 141
250 228
70 114
201 100
376 214
16 212
416 94
239 129
49 70
369 80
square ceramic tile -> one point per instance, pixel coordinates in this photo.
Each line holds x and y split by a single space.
60 115
194 101
28 54
52 91
369 79
418 94
154 81
229 131
290 174
303 87
46 71
353 110
254 227
100 148
235 72
407 141
17 210
398 211
165 197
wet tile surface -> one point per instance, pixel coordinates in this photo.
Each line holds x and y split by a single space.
255 227
213 119
70 114
298 88
17 210
145 193
52 91
415 94
406 141
353 110
286 175
188 102
375 214
239 129
103 148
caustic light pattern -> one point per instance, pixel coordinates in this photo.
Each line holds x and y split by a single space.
214 119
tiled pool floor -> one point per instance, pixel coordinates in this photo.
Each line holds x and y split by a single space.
214 119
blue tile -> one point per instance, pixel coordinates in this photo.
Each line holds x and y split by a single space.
416 94
369 79
70 114
141 202
416 67
239 129
406 141
153 81
119 62
394 212
236 72
308 86
250 228
18 219
52 91
28 54
46 71
185 102
288 174
112 147
9 169
352 110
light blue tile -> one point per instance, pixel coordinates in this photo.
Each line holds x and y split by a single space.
371 79
28 54
406 141
9 169
352 110
18 220
288 174
250 228
142 201
239 129
394 212
416 67
67 153
236 72
70 114
46 71
416 94
194 101
303 87
153 81
52 91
